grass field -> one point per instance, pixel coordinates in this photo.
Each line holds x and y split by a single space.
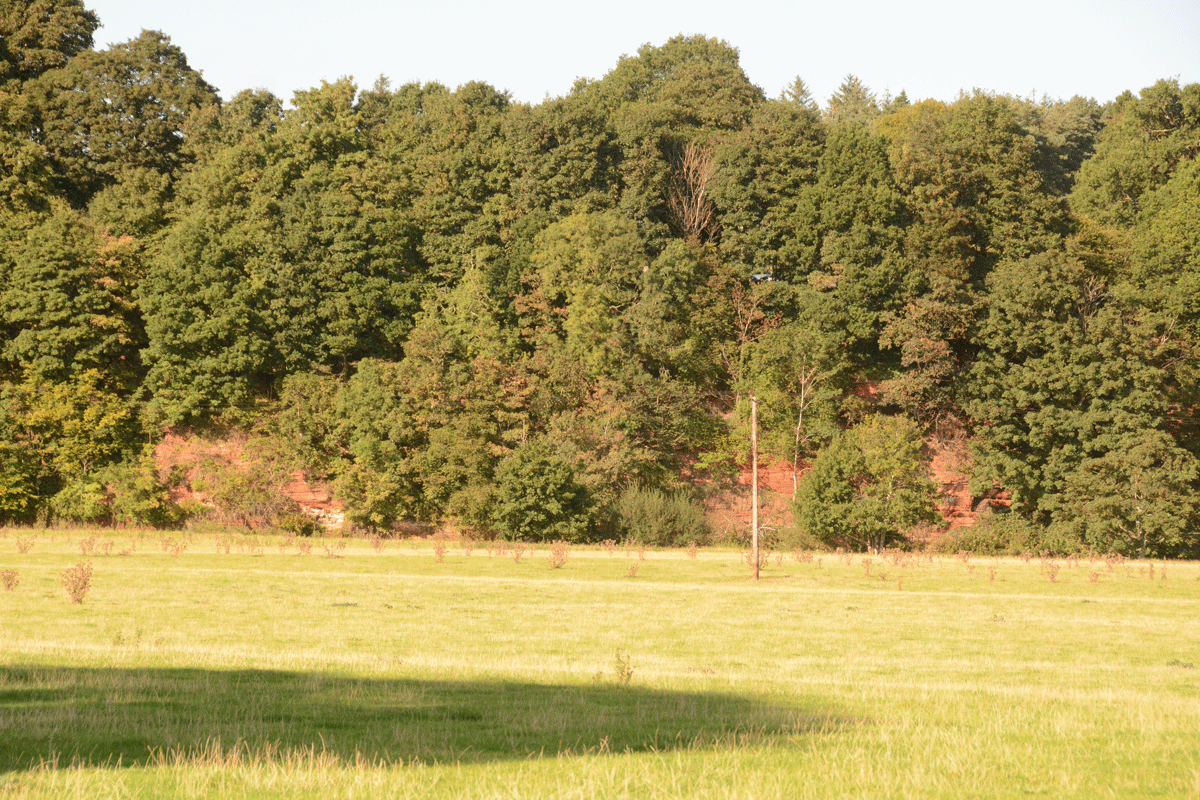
189 671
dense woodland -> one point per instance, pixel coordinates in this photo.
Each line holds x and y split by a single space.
546 320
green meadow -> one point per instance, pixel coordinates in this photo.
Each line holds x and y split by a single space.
240 666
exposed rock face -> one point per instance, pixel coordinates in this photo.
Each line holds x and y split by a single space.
314 500
185 453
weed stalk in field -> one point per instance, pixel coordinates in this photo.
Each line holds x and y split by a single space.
23 545
9 578
77 580
623 668
518 550
559 551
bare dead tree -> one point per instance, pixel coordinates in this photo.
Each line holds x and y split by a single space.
689 210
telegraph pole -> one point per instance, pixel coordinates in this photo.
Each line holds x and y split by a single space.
754 483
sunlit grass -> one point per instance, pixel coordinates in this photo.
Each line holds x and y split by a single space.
360 672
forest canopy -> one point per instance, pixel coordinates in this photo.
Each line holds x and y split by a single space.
526 317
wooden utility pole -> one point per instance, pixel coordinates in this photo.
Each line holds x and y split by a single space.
754 483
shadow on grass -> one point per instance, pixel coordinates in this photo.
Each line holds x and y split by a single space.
133 716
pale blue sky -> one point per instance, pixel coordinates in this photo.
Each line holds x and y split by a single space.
535 49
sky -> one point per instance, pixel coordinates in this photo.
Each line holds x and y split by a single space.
534 49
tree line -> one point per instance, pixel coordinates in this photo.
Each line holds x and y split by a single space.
526 317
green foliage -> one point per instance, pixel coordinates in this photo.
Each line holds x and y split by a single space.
538 497
293 253
449 148
765 191
36 36
1138 498
137 496
797 371
124 108
868 487
18 483
1063 380
852 103
1004 534
657 519
69 303
1143 140
861 220
70 429
245 489
82 500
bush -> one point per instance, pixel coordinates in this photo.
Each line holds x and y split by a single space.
249 493
538 497
1006 534
297 524
138 497
657 519
83 500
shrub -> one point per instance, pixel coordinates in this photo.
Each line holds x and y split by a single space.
9 578
137 496
538 497
247 493
296 524
653 518
84 500
1006 534
77 580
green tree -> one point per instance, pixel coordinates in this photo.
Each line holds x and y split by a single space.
69 303
665 102
853 103
868 487
795 371
862 215
448 154
1143 140
538 497
1062 380
293 251
40 35
1139 498
765 191
1164 283
109 111
976 195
